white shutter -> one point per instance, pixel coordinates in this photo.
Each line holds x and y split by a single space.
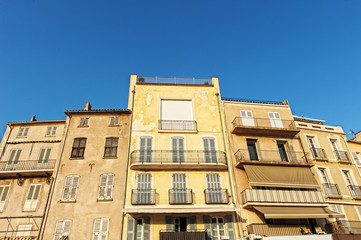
275 119
48 131
96 230
62 228
3 194
102 186
74 188
100 231
247 118
109 188
70 188
32 197
67 185
106 186
53 131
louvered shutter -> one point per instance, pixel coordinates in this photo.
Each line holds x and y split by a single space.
109 189
275 119
208 226
3 194
102 187
67 186
12 156
66 229
96 230
214 188
74 188
210 150
130 228
21 131
48 131
42 154
169 223
58 229
53 132
35 197
145 149
29 197
104 229
47 155
26 130
192 223
247 118
146 228
16 160
230 227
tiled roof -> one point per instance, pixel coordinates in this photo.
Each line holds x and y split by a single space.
97 111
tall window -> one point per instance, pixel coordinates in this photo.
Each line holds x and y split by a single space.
214 191
247 118
62 229
144 193
145 152
315 150
106 186
111 146
282 150
210 153
356 156
100 231
78 147
84 122
217 227
4 190
179 191
70 188
32 197
43 157
51 131
177 115
252 149
13 159
335 149
23 132
138 228
178 149
114 121
275 119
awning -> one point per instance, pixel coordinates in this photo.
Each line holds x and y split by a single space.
280 176
298 212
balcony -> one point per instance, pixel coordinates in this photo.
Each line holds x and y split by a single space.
355 191
270 157
280 197
342 156
344 226
143 196
261 229
177 125
192 234
175 160
216 196
319 154
264 127
332 190
30 168
174 80
180 196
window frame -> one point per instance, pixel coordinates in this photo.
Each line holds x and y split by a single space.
51 131
84 122
100 232
32 201
111 147
2 198
114 121
78 148
23 132
71 187
62 233
106 187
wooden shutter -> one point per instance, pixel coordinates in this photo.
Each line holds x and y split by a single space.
247 118
3 194
102 186
110 183
178 149
146 228
58 229
67 186
192 223
26 130
53 131
32 197
96 230
145 149
100 231
21 131
130 228
275 119
74 188
48 131
208 226
169 223
209 147
230 227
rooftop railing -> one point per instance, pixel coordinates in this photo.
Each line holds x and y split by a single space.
184 125
143 196
252 101
342 156
180 196
331 189
318 153
175 80
355 190
27 165
244 155
263 123
216 196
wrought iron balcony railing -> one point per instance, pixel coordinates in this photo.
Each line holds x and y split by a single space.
27 165
175 80
143 196
177 157
318 153
184 125
244 155
180 196
216 196
355 190
263 123
342 156
331 189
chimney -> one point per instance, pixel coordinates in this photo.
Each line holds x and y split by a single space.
88 107
33 118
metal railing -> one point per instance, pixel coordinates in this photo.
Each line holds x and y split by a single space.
216 195
178 157
252 101
143 196
190 234
177 125
263 122
342 156
270 156
354 190
27 165
331 189
262 229
180 196
175 80
281 196
318 153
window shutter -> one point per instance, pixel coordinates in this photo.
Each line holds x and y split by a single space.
104 229
110 183
53 132
3 194
130 228
48 131
103 182
207 226
12 156
74 188
21 131
146 228
67 225
34 201
96 230
67 186
192 223
169 223
27 204
41 156
58 229
230 227
16 160
26 130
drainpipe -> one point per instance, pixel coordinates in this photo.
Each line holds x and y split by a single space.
353 160
52 187
126 171
228 167
11 128
233 175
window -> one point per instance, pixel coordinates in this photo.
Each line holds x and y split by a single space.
177 115
252 149
324 175
145 153
70 188
359 211
32 197
13 159
138 228
24 230
106 186
43 158
352 187
356 156
335 149
62 228
178 149
179 192
78 147
315 150
23 132
4 190
114 121
218 227
111 146
329 187
214 190
180 224
84 122
275 119
210 153
348 177
100 231
51 131
339 209
144 190
247 118
282 150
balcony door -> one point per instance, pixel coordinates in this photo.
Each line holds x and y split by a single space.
177 149
145 153
179 194
144 190
209 147
43 158
327 185
214 188
252 149
275 119
13 159
335 149
282 150
311 142
354 190
247 118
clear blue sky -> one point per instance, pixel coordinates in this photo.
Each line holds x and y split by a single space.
56 55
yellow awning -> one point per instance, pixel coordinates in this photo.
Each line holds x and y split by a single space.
298 212
281 176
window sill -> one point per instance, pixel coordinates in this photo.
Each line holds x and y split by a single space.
50 135
115 125
104 200
29 210
115 157
67 201
76 158
83 126
178 131
21 136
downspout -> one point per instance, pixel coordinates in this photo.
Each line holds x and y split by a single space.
234 178
11 128
353 160
52 187
228 167
126 171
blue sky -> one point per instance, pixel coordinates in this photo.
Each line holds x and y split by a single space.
56 55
